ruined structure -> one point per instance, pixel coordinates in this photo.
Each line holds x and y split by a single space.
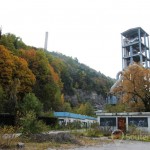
135 49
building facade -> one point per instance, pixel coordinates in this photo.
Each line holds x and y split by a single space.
125 120
65 118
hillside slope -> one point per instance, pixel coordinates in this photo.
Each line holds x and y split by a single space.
56 80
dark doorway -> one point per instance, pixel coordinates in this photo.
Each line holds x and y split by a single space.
122 124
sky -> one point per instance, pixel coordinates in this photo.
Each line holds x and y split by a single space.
89 30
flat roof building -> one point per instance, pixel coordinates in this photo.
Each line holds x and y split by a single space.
67 117
124 120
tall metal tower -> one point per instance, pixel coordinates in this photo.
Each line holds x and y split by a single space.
46 41
135 47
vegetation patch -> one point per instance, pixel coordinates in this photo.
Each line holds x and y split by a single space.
56 137
8 138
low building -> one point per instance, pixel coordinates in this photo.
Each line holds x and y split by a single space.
67 117
123 121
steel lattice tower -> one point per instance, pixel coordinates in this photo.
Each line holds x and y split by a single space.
135 47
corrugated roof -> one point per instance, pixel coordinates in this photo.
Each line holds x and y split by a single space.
72 115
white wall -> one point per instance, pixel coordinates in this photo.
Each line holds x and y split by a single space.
127 126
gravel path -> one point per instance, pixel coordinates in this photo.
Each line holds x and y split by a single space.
124 145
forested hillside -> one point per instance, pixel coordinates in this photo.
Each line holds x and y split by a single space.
55 81
82 83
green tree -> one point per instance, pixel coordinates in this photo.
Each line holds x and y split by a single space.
75 75
116 108
12 43
31 103
86 109
48 85
67 107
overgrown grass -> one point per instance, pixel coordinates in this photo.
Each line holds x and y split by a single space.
8 137
136 134
92 132
82 137
84 141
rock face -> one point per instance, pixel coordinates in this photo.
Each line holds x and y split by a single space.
96 100
59 138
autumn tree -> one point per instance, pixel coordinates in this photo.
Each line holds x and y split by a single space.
63 71
2 99
86 109
120 107
134 87
15 77
48 84
55 62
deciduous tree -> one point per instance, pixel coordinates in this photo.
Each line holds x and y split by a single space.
16 78
48 84
134 87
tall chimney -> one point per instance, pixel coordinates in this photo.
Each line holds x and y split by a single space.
46 41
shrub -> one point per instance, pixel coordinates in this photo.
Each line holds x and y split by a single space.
8 136
31 125
93 133
106 131
133 130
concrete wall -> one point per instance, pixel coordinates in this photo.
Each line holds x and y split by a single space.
67 120
140 119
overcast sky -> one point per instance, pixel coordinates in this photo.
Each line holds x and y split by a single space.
86 29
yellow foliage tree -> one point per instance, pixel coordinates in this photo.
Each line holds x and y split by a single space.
48 84
134 87
15 76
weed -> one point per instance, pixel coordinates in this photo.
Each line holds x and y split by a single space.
8 136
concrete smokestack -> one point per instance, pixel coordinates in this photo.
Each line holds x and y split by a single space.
46 41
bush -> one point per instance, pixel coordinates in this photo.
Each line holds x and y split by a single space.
74 125
78 133
93 133
31 125
106 131
132 129
8 136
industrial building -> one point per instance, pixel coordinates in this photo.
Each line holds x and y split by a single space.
67 117
125 120
135 48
